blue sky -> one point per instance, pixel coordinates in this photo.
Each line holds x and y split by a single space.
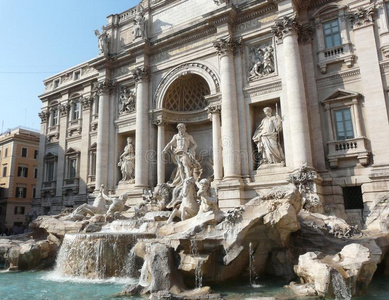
39 39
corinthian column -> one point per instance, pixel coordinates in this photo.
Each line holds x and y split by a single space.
230 132
142 128
216 139
103 89
285 32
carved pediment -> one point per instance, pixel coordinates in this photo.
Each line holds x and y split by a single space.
341 94
71 151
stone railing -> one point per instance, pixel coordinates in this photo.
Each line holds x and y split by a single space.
47 185
341 53
356 147
333 52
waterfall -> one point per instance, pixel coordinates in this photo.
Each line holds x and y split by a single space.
194 251
97 255
342 291
253 273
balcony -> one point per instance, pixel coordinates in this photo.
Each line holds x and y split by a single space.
70 184
350 148
341 53
49 187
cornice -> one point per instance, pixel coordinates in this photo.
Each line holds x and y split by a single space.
340 75
64 88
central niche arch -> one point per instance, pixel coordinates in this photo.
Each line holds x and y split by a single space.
202 74
187 93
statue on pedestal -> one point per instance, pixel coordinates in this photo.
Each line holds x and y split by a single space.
266 136
127 162
103 40
139 23
184 155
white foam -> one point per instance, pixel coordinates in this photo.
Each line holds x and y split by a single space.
58 277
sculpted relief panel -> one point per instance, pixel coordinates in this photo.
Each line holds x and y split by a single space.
261 61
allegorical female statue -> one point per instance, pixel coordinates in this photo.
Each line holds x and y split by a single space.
127 162
266 136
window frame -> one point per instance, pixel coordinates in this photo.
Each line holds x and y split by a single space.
22 154
22 171
21 192
343 121
339 53
356 147
332 34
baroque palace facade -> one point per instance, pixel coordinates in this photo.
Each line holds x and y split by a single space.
321 67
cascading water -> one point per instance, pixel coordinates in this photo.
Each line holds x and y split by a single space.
97 255
342 290
194 251
253 273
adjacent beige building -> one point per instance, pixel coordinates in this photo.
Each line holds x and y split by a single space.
19 171
321 66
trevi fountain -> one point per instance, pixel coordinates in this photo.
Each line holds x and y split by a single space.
178 244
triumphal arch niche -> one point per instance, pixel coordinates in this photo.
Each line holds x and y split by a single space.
189 94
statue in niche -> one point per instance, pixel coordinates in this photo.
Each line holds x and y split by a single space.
183 147
262 62
103 40
127 100
127 162
139 23
267 136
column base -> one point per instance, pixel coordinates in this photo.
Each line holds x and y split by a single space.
230 193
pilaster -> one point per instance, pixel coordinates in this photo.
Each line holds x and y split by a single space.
373 86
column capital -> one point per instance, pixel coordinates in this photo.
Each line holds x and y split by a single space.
284 26
159 122
44 115
226 45
140 74
104 87
214 109
86 102
64 109
362 16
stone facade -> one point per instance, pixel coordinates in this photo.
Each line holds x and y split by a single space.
320 66
19 169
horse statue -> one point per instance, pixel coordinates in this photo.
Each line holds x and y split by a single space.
185 205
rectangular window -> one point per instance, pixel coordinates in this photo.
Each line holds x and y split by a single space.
56 83
35 173
352 197
54 119
6 152
19 210
22 171
50 171
4 170
33 192
72 168
36 152
24 152
76 75
343 124
76 111
332 33
21 192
